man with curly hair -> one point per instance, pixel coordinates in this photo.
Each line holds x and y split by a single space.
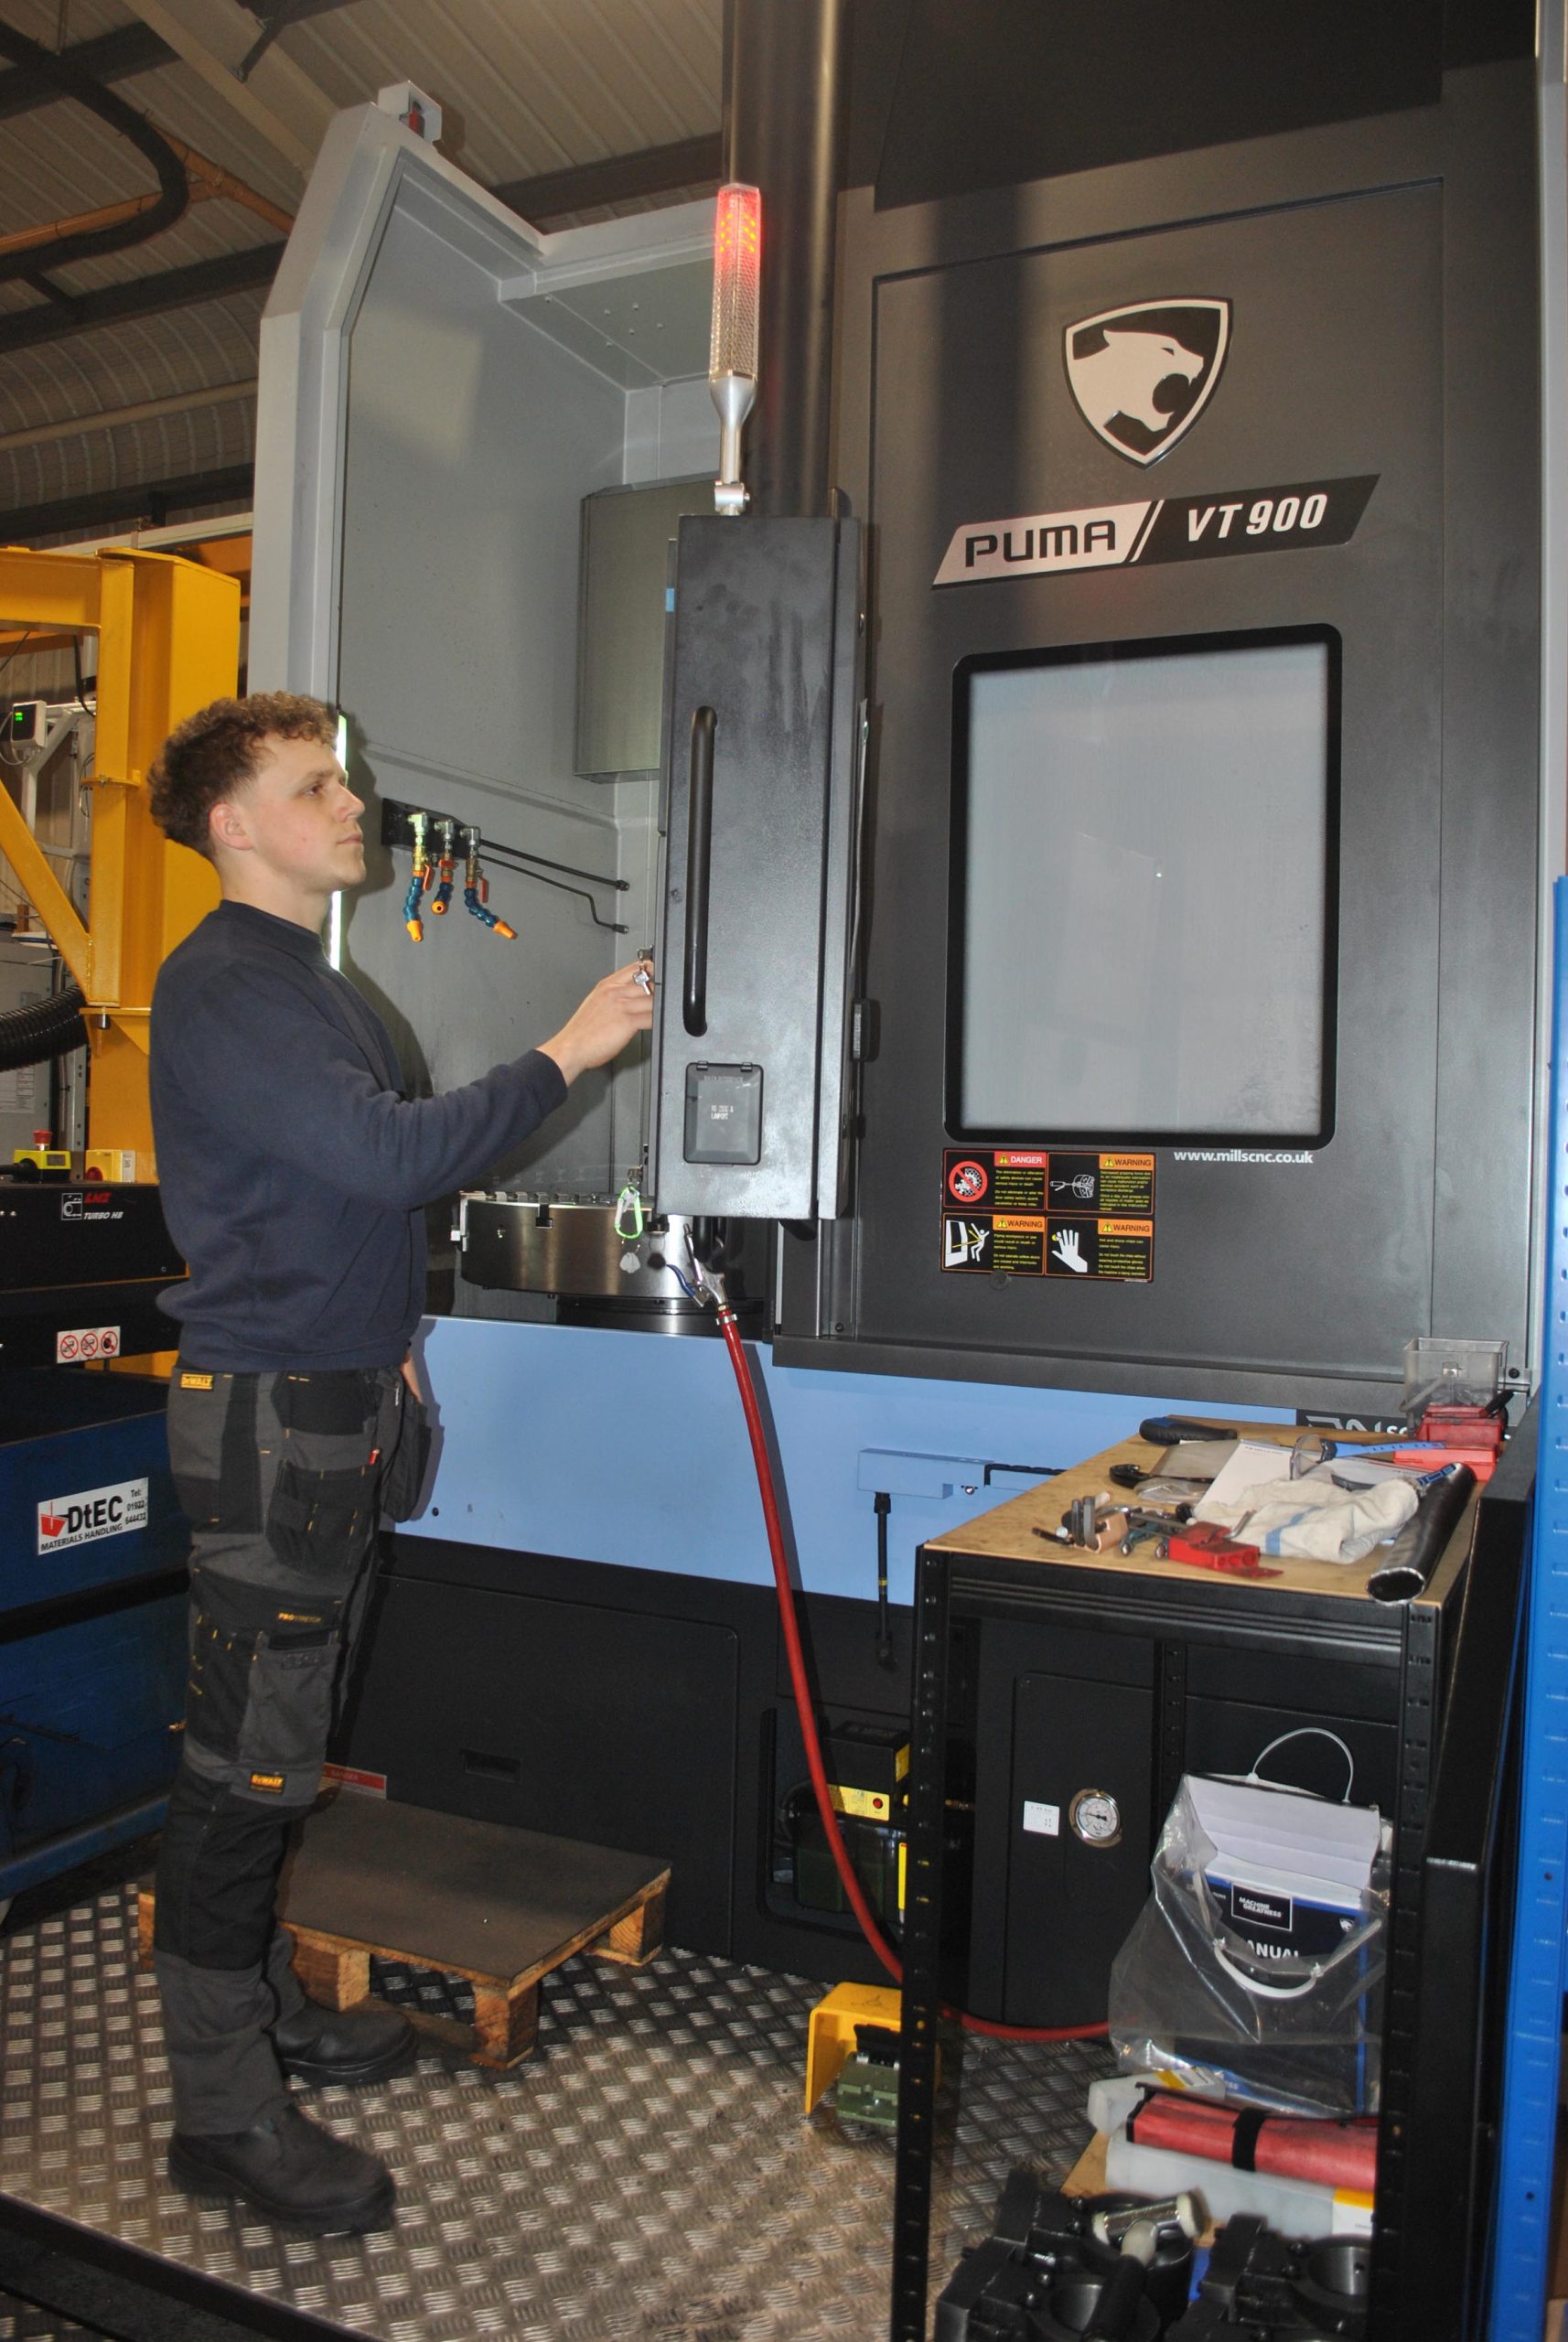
294 1170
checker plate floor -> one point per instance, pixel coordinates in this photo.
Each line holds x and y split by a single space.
646 2177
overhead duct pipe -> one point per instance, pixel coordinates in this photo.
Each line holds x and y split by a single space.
786 131
111 234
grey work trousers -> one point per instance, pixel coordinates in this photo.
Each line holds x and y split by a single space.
278 1474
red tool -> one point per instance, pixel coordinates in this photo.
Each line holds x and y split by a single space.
1461 1427
1335 2152
1466 1428
1208 1547
1482 1460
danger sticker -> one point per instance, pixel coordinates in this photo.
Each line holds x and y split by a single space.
1020 1179
1035 1244
92 1513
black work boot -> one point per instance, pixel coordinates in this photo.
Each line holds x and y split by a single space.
289 2169
368 2044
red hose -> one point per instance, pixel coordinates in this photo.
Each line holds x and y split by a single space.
791 1623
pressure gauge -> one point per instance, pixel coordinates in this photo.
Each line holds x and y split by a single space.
1096 1818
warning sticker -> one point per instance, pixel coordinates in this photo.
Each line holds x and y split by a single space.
1034 1244
1020 1179
81 1342
354 1776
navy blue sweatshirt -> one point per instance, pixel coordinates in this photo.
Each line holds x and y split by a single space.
294 1169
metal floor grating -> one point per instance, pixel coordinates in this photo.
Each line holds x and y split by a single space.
647 2177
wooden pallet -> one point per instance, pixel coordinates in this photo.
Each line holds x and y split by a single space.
501 1908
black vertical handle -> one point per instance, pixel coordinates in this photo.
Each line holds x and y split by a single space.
699 854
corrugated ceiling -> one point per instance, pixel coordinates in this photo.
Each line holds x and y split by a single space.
526 86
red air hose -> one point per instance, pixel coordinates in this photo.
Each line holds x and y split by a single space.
836 1847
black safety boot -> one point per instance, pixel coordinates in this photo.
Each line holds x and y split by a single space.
368 2044
291 2170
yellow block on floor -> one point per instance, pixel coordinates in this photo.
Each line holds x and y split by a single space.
830 2033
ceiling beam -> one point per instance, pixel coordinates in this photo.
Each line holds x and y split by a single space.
277 97
149 500
140 297
618 178
117 56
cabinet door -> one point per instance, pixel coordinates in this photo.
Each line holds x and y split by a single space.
751 1082
610 1727
1080 1832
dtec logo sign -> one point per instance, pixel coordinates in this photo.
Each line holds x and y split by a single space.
91 1513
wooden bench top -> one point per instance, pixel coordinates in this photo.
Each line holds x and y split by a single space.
1007 1532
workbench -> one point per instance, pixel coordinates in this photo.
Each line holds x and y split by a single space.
1033 1657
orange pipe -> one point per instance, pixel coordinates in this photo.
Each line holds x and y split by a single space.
108 215
207 179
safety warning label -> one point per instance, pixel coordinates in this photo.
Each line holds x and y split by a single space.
1022 1179
1033 1212
1035 1244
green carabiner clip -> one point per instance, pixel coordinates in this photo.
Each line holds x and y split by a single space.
630 1195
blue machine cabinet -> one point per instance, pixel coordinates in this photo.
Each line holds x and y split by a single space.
93 1553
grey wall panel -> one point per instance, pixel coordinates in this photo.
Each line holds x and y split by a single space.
425 438
471 438
671 431
627 535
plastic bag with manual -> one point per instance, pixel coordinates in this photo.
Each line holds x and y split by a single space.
1231 1984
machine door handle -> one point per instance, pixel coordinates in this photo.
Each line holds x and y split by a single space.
699 856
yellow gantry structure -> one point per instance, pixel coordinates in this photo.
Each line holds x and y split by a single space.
168 641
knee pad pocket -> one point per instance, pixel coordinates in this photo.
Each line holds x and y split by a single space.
262 1666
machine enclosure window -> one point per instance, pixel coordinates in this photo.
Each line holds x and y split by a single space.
1144 888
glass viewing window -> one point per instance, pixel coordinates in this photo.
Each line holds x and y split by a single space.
1143 939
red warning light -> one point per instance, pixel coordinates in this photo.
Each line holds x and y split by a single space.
737 261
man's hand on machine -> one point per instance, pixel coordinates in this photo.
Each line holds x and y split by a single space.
619 1006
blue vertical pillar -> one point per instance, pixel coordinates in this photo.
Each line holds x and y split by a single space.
1527 2139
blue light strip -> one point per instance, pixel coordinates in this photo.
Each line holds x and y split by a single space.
335 915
